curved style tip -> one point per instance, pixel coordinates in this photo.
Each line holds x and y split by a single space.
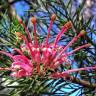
33 20
89 44
68 25
53 17
82 32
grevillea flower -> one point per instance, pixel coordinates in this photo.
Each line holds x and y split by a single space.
45 56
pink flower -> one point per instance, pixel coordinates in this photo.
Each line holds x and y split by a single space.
44 56
21 65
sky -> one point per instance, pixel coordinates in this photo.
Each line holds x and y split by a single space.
21 8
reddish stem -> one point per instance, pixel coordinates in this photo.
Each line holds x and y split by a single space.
27 43
35 35
19 51
65 73
72 41
83 46
49 29
7 54
26 30
63 30
80 69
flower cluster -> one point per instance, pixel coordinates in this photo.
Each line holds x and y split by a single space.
42 57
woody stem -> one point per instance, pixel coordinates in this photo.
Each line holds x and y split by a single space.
81 82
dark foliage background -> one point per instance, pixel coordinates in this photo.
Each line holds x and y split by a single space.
82 15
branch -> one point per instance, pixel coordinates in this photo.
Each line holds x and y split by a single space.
81 82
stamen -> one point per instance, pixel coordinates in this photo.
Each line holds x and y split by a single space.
33 20
63 30
53 17
19 51
26 30
65 73
73 40
69 53
80 69
26 41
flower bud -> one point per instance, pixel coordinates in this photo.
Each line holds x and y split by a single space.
33 20
82 32
68 25
53 17
89 44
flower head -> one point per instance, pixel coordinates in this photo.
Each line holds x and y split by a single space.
42 57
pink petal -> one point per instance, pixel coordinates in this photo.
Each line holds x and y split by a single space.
19 74
22 58
23 65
